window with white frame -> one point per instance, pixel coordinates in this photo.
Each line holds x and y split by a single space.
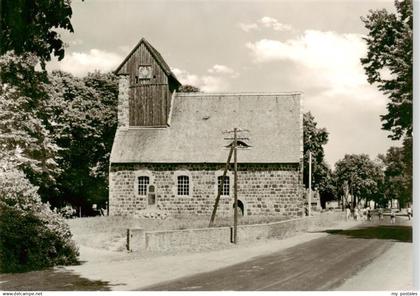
143 183
225 187
183 185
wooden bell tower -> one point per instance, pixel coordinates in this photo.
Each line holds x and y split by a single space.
151 84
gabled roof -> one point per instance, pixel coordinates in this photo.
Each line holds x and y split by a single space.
197 122
156 55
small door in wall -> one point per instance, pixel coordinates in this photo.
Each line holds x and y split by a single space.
241 208
151 195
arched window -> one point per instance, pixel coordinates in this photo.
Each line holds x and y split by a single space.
183 185
143 183
225 188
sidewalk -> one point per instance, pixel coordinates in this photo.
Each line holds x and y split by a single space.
130 271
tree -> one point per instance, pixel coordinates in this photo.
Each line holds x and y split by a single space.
25 138
326 184
30 27
398 178
85 114
32 236
314 139
28 36
188 88
363 176
389 64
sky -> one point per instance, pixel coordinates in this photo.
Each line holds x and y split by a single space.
248 46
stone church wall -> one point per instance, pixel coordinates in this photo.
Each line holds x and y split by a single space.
123 88
265 190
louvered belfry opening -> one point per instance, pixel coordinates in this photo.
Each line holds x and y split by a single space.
151 84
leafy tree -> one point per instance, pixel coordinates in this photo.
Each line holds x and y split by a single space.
31 27
25 137
326 184
85 112
27 37
188 88
389 64
314 139
390 51
106 87
363 176
58 129
407 150
398 178
32 236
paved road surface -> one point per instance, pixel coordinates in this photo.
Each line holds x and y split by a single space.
321 264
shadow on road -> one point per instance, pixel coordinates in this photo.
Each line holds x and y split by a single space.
389 232
53 279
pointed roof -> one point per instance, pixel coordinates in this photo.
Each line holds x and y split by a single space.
156 55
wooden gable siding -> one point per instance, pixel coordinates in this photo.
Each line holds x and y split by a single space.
142 56
149 105
148 99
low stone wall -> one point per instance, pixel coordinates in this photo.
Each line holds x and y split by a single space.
175 240
278 230
288 228
217 237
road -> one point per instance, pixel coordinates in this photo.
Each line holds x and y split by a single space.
321 264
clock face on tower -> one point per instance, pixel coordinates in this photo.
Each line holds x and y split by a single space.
145 72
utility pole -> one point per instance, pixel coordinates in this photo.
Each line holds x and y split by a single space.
235 187
219 191
233 152
310 185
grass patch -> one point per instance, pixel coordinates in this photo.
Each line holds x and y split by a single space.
107 233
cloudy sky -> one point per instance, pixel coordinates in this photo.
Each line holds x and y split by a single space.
273 46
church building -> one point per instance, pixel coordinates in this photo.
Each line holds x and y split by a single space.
170 147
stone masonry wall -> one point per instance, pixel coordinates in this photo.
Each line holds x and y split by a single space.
123 101
269 190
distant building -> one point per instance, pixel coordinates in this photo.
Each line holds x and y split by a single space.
169 150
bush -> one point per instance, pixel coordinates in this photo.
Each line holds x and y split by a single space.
67 211
32 235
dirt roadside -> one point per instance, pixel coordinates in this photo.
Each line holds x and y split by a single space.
103 270
125 271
